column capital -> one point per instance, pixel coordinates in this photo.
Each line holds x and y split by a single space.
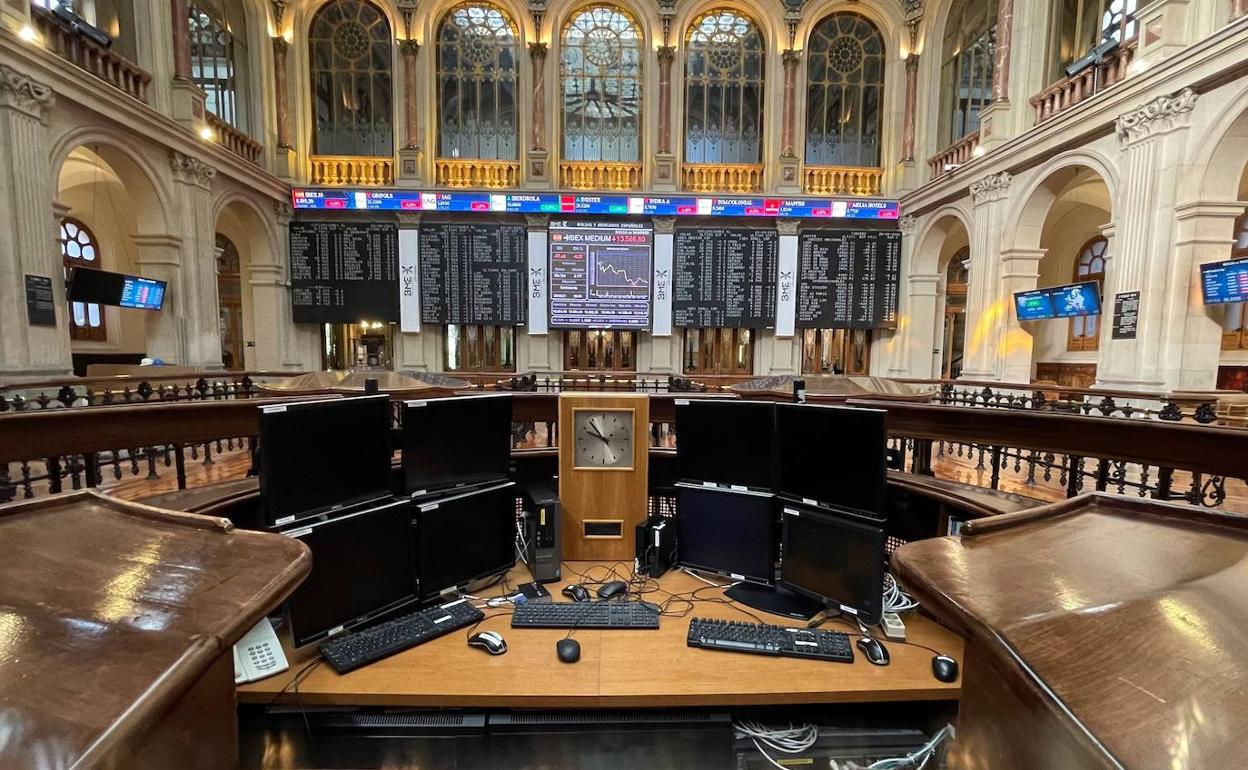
908 224
791 57
923 285
283 211
537 221
666 53
409 47
537 49
993 187
191 170
1159 116
664 224
788 226
912 62
22 92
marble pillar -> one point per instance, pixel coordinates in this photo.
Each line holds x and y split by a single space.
667 54
987 311
180 9
537 58
1001 56
280 95
409 49
912 95
788 136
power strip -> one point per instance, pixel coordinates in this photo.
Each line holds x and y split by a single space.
894 629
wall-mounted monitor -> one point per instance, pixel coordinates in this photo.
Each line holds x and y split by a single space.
600 274
119 289
1034 305
1224 282
1069 301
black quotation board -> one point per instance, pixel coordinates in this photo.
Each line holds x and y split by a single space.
848 279
343 272
725 277
473 274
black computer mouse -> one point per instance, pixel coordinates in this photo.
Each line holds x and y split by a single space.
568 650
489 641
875 652
576 592
614 588
944 668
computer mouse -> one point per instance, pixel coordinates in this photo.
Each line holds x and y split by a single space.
576 592
614 588
568 650
875 652
944 668
489 641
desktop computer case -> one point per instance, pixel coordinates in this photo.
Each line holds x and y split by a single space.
656 546
542 533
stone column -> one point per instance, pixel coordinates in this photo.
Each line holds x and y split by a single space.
1001 59
666 54
1020 270
987 311
409 50
159 256
196 308
538 151
28 229
181 39
1238 8
789 161
912 95
299 345
270 303
908 352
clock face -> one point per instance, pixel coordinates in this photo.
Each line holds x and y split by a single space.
604 438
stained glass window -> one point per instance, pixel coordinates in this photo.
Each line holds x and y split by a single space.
477 80
352 101
724 55
844 92
600 64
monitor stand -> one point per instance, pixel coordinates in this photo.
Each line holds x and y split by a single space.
776 601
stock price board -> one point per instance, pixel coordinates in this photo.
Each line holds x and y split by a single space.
343 272
473 274
724 277
848 279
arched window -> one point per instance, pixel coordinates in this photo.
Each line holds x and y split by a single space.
1081 25
966 72
218 58
724 54
230 302
352 106
1235 325
81 251
1090 266
600 64
844 92
957 280
477 79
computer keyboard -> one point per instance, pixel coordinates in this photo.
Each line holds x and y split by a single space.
351 651
598 614
770 640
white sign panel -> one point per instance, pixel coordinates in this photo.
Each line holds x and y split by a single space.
663 284
539 312
409 281
786 286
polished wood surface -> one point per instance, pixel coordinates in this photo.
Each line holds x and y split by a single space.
114 619
834 388
973 500
635 668
1102 632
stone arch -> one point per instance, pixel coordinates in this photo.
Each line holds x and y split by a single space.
1031 206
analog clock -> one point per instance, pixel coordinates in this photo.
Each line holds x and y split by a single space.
604 438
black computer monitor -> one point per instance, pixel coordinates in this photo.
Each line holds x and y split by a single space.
451 442
465 538
361 570
727 532
726 442
834 557
320 456
832 456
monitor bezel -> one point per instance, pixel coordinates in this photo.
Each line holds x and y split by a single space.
858 522
1220 265
772 541
416 492
426 596
882 487
773 471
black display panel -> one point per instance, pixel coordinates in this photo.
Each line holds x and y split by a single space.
465 538
832 557
728 532
1223 282
473 274
832 456
361 569
600 275
119 289
344 272
724 277
451 442
323 455
848 279
726 442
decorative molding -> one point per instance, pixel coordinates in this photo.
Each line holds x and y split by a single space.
665 224
537 50
537 221
409 47
666 53
279 11
791 57
283 211
191 170
993 187
788 226
907 224
1161 115
19 90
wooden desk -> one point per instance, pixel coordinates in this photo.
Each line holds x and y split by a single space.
618 669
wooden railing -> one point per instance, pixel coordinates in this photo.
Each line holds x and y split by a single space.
235 141
1072 90
120 390
961 151
101 62
476 174
351 170
842 180
722 177
599 175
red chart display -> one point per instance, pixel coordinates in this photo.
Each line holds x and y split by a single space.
600 275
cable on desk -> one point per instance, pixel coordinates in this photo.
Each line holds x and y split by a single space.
895 599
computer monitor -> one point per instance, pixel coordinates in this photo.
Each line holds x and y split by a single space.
465 538
727 532
452 442
726 442
832 456
833 557
321 456
361 570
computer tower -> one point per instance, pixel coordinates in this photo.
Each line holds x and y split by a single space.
542 538
656 546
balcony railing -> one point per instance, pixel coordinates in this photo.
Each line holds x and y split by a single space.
351 170
1072 90
961 151
92 57
599 175
722 177
235 141
476 174
842 180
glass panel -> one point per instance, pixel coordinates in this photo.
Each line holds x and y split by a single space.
600 65
351 49
477 71
845 83
213 57
723 89
79 313
969 48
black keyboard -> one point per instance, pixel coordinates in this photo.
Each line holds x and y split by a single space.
770 640
585 615
359 648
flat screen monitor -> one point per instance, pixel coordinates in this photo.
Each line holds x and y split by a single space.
1077 299
361 570
727 532
600 274
833 557
1224 282
450 442
726 442
465 538
832 456
320 456
118 289
1034 305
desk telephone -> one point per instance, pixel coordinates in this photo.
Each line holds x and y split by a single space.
258 654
